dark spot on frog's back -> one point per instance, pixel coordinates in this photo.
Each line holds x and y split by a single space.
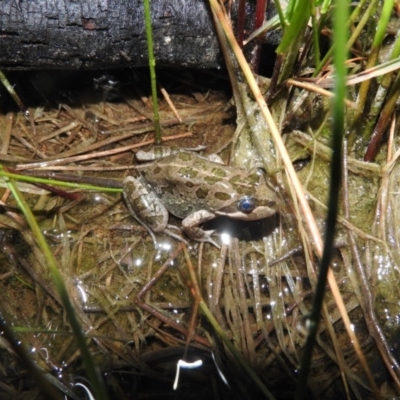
185 156
235 179
222 196
188 172
212 180
254 178
157 170
218 172
201 193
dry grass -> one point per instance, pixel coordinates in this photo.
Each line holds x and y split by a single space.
140 306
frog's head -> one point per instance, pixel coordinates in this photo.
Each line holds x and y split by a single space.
249 208
262 204
253 200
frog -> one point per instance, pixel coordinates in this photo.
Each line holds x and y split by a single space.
196 189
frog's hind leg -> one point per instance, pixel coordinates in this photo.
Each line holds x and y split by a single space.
141 222
144 206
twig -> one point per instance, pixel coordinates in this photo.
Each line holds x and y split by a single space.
42 164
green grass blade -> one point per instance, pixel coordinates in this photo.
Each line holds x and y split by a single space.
12 92
91 369
340 56
54 182
383 22
152 66
298 15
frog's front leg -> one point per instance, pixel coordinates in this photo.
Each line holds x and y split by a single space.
190 226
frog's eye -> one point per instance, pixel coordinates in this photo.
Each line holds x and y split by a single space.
247 205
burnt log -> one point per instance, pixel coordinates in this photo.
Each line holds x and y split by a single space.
93 34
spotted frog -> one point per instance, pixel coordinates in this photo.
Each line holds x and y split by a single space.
196 190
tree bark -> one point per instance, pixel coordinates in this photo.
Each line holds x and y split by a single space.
88 34
92 34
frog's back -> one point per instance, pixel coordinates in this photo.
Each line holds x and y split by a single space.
187 182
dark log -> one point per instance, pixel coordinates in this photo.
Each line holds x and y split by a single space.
92 34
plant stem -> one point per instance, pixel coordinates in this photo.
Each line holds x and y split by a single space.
340 56
12 92
152 66
92 370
